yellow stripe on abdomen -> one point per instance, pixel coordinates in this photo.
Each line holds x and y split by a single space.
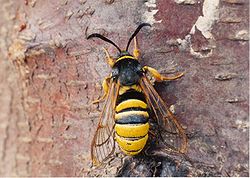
131 103
131 144
131 153
132 130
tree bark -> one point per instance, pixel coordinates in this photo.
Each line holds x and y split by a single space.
50 74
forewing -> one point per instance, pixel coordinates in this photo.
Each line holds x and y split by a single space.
103 143
170 130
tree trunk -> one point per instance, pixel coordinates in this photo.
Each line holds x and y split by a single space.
50 74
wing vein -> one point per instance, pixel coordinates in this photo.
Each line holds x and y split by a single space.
170 130
103 143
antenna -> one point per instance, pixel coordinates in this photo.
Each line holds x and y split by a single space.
135 33
96 35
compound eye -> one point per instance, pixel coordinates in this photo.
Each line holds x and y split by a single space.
115 72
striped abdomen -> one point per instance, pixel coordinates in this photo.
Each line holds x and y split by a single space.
131 118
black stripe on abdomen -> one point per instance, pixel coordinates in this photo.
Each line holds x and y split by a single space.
134 109
130 94
132 119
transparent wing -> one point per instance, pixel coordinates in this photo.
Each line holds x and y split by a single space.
103 143
170 130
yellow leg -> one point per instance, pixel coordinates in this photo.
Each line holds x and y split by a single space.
105 87
110 60
136 51
158 77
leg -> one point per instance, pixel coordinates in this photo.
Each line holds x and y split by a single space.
105 87
136 51
158 76
110 60
151 133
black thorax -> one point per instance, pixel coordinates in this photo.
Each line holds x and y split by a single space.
127 71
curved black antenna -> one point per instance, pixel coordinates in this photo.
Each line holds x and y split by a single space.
135 33
96 35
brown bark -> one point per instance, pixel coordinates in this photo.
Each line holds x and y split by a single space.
50 73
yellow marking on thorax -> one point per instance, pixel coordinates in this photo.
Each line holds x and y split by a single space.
129 113
123 89
129 130
130 103
128 145
125 57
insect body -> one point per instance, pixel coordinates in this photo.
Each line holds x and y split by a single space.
131 111
129 96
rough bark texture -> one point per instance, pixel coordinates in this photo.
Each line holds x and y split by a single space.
50 73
